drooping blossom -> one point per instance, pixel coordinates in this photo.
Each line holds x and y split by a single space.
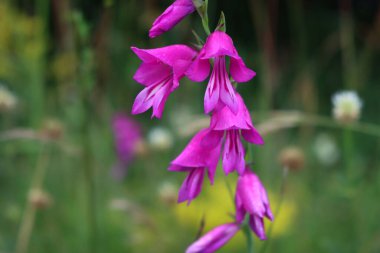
160 72
200 156
234 126
171 17
219 89
214 239
128 137
251 198
347 106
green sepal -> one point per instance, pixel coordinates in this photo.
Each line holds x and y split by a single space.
222 23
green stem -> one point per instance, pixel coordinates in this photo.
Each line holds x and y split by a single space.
348 149
230 192
28 219
278 208
249 239
365 128
203 13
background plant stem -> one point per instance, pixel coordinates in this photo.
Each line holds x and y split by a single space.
28 219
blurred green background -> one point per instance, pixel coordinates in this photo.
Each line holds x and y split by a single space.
69 67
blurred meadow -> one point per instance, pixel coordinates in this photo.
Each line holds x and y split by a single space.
66 72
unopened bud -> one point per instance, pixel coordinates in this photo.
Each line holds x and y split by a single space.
292 158
347 106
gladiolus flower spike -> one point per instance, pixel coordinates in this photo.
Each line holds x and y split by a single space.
230 122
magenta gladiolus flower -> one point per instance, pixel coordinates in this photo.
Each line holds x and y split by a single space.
235 126
214 239
251 197
127 134
200 155
160 72
219 89
171 16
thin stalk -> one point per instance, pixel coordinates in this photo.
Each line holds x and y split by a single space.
249 239
278 208
90 188
364 128
230 192
203 13
28 219
348 150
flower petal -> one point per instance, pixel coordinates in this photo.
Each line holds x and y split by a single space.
151 73
239 72
240 211
219 44
197 154
160 100
168 55
252 136
142 103
233 153
227 96
250 192
257 225
199 70
192 185
214 239
171 16
211 95
225 119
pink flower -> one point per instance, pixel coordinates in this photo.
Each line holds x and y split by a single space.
171 16
160 72
252 198
200 155
214 239
127 134
235 126
219 89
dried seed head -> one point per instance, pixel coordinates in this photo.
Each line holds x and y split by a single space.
292 158
52 129
40 199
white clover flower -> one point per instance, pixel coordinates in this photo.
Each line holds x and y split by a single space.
160 138
346 106
7 100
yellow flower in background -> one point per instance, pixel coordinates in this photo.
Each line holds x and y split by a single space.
217 207
286 216
21 40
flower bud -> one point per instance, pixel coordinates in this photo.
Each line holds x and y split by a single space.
7 100
292 158
346 106
40 199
